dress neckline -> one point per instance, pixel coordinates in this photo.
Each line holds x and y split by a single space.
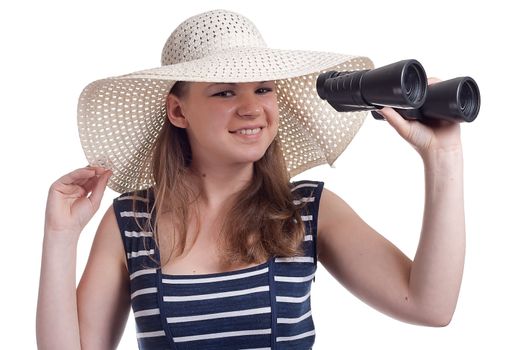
216 274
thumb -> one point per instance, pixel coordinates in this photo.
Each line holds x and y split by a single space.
98 191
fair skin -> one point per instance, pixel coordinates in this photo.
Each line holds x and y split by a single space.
216 118
421 291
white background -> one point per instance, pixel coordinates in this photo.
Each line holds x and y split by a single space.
51 50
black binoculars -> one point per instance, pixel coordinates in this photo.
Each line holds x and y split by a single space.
403 86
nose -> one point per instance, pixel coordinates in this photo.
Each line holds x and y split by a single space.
249 106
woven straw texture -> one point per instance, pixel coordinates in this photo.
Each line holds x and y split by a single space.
119 118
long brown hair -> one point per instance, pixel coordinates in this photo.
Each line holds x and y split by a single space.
262 220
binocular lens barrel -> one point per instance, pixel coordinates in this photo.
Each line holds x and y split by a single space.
455 100
403 86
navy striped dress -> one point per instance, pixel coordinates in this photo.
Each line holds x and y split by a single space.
262 307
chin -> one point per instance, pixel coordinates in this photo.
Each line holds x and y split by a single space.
251 158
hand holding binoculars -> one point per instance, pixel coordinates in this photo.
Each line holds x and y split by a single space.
403 86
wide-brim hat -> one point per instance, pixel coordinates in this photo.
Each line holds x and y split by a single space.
119 118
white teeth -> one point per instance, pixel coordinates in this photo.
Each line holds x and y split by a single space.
248 131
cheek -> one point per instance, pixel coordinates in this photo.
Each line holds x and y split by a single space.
275 117
273 110
208 121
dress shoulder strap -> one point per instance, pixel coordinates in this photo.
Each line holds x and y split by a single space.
309 192
132 210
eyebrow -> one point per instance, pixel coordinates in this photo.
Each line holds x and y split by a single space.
213 84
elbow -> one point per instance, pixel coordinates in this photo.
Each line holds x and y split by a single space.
434 312
437 319
437 323
427 318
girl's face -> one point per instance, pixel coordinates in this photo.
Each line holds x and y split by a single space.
227 123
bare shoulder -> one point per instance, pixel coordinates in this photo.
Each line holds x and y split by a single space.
108 225
109 232
334 214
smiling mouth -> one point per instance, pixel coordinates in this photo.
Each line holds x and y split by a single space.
247 131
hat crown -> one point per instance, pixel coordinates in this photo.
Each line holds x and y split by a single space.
208 33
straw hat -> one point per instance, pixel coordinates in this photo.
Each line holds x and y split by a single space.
120 117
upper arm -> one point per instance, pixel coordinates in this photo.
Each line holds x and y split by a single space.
362 260
103 292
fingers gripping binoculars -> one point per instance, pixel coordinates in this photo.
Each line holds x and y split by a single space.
403 86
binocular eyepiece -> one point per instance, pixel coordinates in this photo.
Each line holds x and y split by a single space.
403 86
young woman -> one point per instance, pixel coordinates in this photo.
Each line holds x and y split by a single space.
210 243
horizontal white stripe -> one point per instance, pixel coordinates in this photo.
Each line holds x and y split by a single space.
300 259
294 320
295 337
296 300
126 214
125 198
294 279
143 291
262 310
214 279
138 234
142 272
304 200
257 349
222 335
141 253
308 238
148 312
304 185
217 295
150 334
306 217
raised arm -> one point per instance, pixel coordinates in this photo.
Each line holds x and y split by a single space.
425 290
94 319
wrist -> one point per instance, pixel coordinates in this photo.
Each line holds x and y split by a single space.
64 238
443 157
443 169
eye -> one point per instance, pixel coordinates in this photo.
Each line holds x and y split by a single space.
264 90
226 93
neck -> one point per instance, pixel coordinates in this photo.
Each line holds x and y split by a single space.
217 183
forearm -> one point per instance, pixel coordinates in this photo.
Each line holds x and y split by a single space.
57 318
437 269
